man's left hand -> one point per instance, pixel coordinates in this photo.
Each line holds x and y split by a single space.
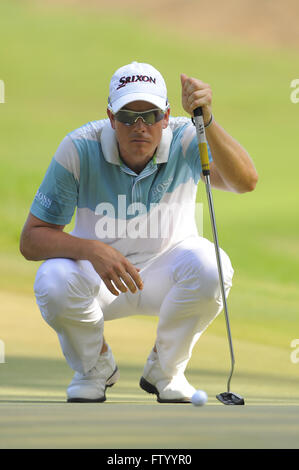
196 93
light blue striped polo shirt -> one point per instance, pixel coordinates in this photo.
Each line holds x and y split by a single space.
141 215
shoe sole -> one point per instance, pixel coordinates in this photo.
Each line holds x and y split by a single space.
110 382
149 388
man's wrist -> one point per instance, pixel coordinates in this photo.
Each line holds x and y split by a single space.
90 249
208 123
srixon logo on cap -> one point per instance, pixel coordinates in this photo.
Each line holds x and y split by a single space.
123 81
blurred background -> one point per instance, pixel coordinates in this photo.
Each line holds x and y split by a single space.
56 61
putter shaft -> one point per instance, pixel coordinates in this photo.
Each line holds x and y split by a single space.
220 272
204 157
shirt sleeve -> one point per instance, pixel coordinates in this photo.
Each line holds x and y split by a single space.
56 199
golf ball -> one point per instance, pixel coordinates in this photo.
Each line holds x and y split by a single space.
199 398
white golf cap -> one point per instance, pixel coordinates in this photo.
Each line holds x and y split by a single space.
137 82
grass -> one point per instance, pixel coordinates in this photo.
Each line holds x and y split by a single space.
35 376
167 427
56 71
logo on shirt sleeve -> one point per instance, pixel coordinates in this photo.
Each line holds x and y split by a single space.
44 200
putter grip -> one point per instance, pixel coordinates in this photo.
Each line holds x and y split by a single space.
202 141
198 111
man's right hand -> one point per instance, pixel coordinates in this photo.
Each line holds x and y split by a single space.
114 268
41 240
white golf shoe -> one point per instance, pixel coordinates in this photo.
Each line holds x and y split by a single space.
168 389
91 387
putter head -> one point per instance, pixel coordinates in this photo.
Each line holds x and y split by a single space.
228 398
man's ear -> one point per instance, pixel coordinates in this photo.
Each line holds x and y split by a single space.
166 119
111 117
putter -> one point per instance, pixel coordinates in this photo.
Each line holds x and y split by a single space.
227 398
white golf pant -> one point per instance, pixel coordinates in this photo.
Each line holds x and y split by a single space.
181 287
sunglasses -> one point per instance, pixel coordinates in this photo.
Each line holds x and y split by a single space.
149 117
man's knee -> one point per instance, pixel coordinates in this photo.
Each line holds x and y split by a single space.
211 280
200 274
57 286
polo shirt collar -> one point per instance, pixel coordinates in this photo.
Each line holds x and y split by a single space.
110 147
